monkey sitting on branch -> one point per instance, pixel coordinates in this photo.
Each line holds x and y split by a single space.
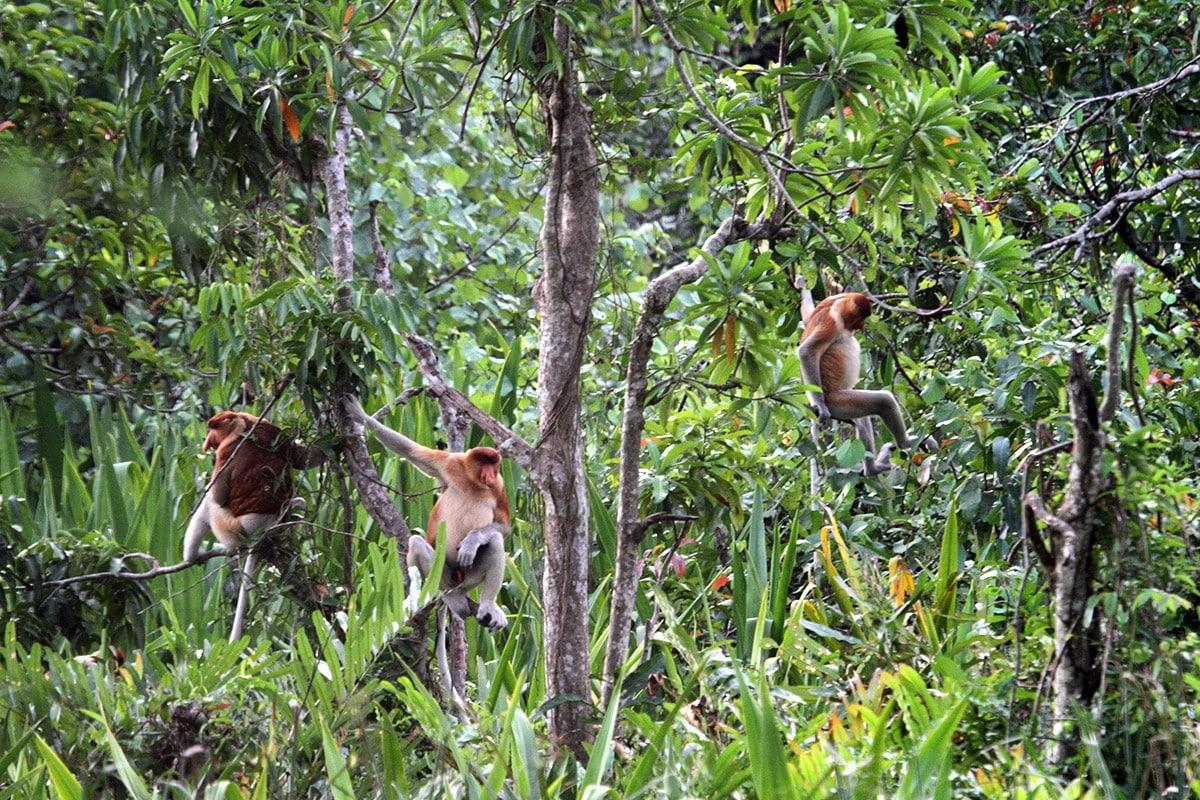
473 509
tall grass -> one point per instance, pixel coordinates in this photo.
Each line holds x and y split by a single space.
799 678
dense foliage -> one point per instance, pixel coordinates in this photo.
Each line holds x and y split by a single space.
981 168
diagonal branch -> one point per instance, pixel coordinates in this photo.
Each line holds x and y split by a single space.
1119 203
155 568
630 529
507 442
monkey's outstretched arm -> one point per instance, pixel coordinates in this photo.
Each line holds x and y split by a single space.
423 458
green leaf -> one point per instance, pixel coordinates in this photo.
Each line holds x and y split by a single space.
65 786
340 785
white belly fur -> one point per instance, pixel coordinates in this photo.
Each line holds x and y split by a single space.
463 513
849 344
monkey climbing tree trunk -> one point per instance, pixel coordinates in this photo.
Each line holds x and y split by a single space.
631 529
563 295
1075 529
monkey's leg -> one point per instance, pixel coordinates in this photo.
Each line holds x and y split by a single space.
420 555
243 600
196 529
873 463
476 539
490 560
250 524
852 404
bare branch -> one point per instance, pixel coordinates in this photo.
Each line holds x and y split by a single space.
371 489
631 529
383 269
1118 203
507 442
1190 68
154 571
1033 501
646 522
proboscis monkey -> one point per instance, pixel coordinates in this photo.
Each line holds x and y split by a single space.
250 489
474 510
829 358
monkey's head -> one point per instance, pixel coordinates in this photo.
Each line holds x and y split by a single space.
854 310
485 466
224 425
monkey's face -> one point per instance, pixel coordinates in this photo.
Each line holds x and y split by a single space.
487 466
221 427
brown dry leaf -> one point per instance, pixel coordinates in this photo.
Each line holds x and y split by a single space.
900 581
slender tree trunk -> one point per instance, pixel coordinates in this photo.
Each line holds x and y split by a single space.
337 199
631 530
1076 528
563 295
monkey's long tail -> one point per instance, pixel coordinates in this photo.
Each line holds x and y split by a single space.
448 691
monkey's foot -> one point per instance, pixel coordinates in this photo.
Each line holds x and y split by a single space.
491 617
882 462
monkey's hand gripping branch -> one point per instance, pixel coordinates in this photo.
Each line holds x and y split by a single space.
507 442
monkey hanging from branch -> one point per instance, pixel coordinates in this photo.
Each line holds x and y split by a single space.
829 358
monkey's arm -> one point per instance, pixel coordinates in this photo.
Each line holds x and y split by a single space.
218 490
806 298
197 527
810 352
470 544
302 457
425 459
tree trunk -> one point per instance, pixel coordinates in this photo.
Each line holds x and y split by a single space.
563 295
337 199
1076 528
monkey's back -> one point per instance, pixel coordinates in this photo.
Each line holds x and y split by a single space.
260 479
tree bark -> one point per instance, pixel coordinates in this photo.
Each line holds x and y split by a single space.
382 277
1075 528
337 199
563 294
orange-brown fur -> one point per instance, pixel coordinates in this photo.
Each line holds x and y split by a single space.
840 361
473 496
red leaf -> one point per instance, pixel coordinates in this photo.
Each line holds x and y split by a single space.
720 582
289 118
